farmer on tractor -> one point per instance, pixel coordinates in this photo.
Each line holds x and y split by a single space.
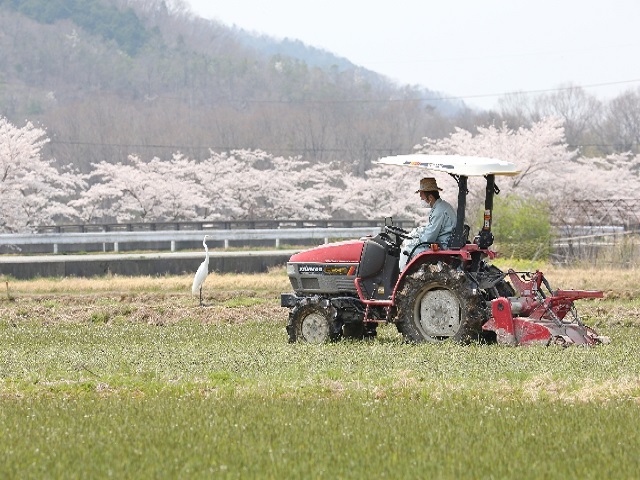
442 223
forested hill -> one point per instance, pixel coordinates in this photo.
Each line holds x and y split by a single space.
97 18
108 78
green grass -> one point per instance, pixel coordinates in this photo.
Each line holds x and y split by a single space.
192 436
136 400
150 385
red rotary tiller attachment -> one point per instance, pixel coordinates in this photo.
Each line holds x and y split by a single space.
534 317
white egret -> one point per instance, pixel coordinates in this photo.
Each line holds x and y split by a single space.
202 272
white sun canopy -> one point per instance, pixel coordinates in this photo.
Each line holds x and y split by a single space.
463 165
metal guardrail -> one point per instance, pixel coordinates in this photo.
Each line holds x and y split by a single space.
171 237
218 225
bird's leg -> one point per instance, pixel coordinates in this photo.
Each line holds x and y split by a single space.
201 304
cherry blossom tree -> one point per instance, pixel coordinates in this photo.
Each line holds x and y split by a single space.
549 170
254 184
303 190
534 150
241 184
141 191
389 191
32 190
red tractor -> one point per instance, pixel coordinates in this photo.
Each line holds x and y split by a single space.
346 289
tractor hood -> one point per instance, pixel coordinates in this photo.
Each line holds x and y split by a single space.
340 252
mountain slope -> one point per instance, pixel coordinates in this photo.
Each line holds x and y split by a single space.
108 78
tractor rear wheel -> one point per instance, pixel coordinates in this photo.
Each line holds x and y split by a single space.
313 323
437 303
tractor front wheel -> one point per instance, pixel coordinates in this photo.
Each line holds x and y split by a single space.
437 303
313 323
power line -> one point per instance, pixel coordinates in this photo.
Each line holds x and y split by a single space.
605 145
285 149
210 147
545 90
255 101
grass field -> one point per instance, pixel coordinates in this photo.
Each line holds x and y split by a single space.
129 378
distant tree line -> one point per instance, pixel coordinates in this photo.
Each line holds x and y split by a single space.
249 184
592 126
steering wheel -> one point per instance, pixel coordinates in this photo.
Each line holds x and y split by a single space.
400 232
387 239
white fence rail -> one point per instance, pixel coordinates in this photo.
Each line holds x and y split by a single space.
621 248
172 237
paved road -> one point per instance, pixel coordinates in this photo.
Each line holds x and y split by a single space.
132 264
137 256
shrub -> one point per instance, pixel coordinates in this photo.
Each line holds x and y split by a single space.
522 227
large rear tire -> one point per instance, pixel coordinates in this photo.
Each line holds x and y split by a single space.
438 303
313 323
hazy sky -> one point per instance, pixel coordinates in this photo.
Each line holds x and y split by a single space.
472 49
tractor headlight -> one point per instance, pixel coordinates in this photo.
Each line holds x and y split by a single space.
291 269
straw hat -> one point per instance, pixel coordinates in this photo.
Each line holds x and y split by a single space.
428 184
